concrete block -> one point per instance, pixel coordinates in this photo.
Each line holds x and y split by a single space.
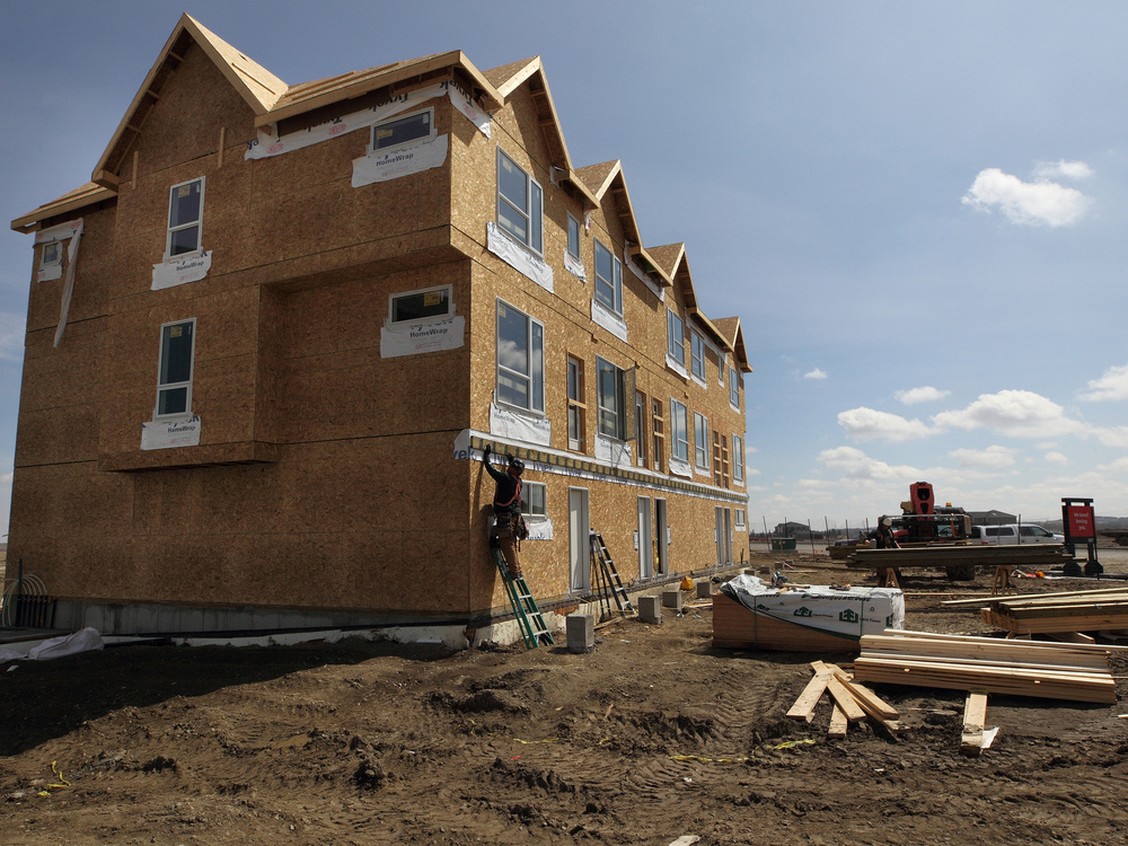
704 589
581 632
649 609
672 599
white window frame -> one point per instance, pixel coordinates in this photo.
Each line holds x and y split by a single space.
372 144
532 213
198 222
172 386
614 301
740 520
737 458
700 441
697 354
527 505
574 228
619 413
51 255
679 434
535 387
675 346
434 318
734 389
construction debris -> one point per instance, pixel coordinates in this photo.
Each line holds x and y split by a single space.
853 702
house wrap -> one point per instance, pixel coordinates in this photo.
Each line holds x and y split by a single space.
268 341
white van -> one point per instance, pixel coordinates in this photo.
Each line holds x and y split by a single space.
1014 533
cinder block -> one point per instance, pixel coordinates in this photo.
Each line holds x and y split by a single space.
581 632
649 609
704 589
672 599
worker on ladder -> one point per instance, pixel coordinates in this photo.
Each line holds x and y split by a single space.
509 526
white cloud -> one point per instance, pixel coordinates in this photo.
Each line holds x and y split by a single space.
1028 203
1056 458
1112 385
815 374
1019 414
925 393
854 464
1113 436
867 424
991 458
1063 169
11 336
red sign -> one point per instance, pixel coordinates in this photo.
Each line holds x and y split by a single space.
1082 523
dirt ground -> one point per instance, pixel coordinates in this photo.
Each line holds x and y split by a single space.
651 737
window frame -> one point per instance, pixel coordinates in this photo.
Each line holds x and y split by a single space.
198 222
674 319
734 389
679 441
658 431
166 387
641 405
533 211
535 387
527 504
435 318
56 247
701 443
737 458
431 131
615 283
697 354
574 226
577 408
620 412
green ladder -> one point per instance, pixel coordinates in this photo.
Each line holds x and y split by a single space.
533 629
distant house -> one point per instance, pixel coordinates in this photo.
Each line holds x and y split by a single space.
791 529
268 341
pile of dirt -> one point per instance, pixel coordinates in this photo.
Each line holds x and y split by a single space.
652 736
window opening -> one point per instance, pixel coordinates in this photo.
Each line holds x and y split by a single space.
185 217
520 359
520 204
174 370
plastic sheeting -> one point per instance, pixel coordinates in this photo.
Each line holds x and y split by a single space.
84 640
850 611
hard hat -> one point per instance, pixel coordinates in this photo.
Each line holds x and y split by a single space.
687 583
886 521
517 464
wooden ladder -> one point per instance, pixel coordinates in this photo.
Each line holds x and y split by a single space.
533 629
602 563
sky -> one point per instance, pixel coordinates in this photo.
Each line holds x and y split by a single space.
919 211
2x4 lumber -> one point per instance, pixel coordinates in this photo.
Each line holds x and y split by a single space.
804 707
974 721
839 723
998 650
869 701
845 700
973 639
1036 596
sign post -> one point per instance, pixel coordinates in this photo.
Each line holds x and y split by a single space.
1079 524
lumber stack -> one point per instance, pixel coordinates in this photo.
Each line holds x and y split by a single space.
748 614
1076 611
1066 671
1042 556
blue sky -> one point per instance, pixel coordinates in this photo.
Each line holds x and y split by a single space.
918 210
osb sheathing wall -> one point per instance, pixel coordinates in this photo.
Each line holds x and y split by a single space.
569 330
355 500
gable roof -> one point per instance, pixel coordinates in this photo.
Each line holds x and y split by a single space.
730 327
79 198
258 87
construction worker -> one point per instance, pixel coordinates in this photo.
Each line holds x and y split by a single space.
509 526
884 534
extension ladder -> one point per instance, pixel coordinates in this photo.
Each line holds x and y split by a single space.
601 557
533 629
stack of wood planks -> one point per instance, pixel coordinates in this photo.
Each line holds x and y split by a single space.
853 702
1070 611
1067 671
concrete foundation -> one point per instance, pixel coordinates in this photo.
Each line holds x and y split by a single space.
672 599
